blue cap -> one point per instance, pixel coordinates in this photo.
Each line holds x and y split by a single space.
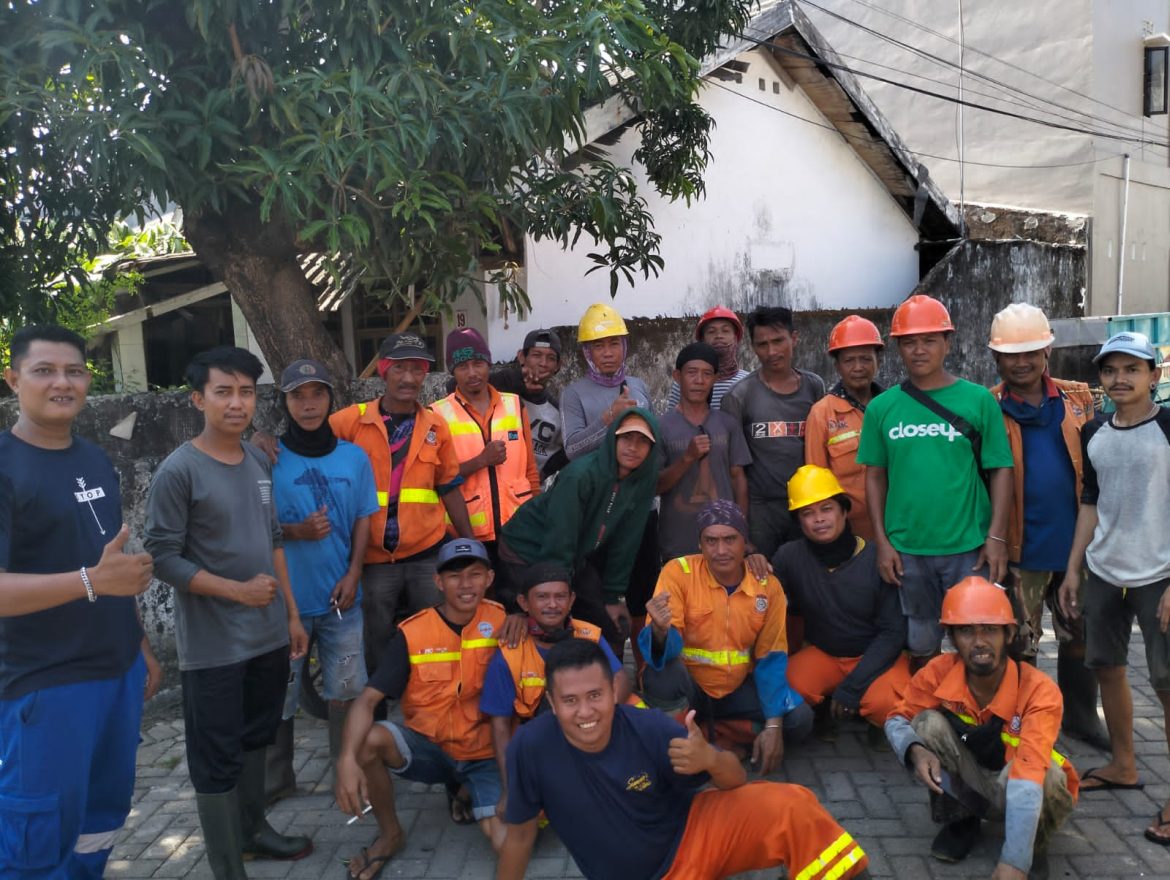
1129 342
462 549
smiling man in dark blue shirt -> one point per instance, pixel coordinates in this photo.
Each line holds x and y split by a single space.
621 787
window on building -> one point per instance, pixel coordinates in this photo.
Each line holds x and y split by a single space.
1154 92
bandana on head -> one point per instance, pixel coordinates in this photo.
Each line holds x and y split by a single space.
606 381
722 513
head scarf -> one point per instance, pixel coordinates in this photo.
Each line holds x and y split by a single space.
728 360
606 381
722 512
310 444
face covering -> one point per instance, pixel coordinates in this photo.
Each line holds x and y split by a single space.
606 381
728 360
310 444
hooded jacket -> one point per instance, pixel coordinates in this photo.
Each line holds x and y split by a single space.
589 507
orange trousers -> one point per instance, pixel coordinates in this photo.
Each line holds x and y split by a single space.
815 675
763 825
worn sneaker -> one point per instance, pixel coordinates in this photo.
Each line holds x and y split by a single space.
956 840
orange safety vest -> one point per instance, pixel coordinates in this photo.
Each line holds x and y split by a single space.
447 671
527 667
832 435
1078 409
723 635
492 494
430 462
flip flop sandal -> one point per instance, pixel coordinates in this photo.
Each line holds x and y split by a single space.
1154 836
1104 784
453 798
378 862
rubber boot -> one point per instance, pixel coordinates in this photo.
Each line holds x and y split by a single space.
1079 687
219 818
280 780
337 715
261 840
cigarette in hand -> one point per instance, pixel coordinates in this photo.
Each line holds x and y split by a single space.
355 818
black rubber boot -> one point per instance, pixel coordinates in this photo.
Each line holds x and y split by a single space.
219 819
280 780
1078 685
956 840
261 840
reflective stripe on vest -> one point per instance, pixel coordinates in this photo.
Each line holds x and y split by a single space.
841 438
718 658
822 862
532 681
452 656
383 499
1008 739
418 496
686 566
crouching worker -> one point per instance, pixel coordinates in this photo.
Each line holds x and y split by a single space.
717 640
977 729
854 628
435 663
514 690
620 786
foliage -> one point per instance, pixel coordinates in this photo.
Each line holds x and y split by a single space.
413 138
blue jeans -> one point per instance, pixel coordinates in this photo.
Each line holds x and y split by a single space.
67 776
339 651
925 581
429 764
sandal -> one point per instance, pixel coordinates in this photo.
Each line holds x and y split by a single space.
1153 836
459 806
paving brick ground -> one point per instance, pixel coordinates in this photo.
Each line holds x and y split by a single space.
871 796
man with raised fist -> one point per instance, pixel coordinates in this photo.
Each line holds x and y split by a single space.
74 663
621 787
213 530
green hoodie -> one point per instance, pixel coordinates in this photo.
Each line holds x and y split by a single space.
588 507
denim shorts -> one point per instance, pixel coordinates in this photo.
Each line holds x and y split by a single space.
429 764
339 651
1109 614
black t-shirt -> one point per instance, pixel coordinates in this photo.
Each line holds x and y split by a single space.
58 510
393 670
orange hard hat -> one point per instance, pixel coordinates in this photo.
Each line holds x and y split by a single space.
921 314
976 600
853 331
720 313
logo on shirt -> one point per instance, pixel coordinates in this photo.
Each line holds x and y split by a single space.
89 496
761 604
767 430
837 424
1014 724
641 782
903 431
432 439
265 487
485 629
513 435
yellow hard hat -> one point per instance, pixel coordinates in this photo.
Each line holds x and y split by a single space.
1020 327
600 321
811 484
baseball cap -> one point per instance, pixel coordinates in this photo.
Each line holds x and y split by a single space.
542 339
1128 342
405 347
635 424
462 549
302 372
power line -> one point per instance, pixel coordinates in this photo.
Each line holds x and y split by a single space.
988 55
946 63
921 91
869 141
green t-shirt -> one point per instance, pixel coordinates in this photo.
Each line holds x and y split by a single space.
936 503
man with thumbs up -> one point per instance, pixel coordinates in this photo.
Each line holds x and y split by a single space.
621 787
74 663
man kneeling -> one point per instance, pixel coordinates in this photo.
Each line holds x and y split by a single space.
436 664
977 729
620 786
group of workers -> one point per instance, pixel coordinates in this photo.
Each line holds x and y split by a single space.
780 556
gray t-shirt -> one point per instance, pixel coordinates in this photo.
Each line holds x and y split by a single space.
773 425
708 479
582 404
1127 476
202 514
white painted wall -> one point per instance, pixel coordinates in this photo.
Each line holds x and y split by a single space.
782 195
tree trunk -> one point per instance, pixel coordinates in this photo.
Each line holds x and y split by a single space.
257 262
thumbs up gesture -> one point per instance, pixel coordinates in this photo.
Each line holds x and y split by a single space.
118 573
693 754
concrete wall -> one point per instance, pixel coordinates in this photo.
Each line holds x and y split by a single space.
791 214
